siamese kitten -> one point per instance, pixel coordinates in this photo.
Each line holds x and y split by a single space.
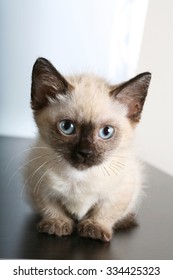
82 172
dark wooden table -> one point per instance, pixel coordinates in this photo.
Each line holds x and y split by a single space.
152 239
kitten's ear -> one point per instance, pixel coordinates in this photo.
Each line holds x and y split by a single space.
47 83
133 93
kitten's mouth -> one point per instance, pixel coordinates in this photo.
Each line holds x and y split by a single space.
83 165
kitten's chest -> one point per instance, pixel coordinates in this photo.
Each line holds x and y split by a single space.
77 197
79 204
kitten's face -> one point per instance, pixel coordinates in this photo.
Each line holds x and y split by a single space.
81 131
84 119
82 144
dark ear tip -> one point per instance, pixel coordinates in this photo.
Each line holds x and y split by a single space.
41 64
146 75
41 61
149 74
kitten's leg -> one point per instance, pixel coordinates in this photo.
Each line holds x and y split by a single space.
55 221
127 222
99 223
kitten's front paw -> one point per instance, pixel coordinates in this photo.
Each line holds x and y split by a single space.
57 227
91 229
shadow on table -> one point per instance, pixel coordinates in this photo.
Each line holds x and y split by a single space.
35 245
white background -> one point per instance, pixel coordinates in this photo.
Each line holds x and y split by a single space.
90 35
155 133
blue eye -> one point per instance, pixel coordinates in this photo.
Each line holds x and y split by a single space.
106 132
67 127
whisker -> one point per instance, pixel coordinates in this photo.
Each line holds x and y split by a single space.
22 166
114 166
33 174
112 169
106 170
21 152
117 167
117 163
102 169
37 186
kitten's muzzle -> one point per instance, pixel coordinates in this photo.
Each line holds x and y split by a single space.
83 158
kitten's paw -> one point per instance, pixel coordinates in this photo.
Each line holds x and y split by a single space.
91 229
57 227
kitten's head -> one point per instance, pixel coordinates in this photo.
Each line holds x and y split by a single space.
85 120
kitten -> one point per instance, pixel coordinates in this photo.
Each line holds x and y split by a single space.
82 172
